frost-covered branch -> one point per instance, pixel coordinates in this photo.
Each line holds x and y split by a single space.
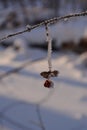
49 21
49 41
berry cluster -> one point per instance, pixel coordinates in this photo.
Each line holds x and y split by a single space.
48 83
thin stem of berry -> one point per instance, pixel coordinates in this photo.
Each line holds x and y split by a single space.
49 41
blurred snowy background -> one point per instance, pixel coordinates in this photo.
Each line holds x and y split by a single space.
24 102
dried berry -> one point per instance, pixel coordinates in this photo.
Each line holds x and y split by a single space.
48 84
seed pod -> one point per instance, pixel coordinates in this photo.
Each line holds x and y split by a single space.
47 74
54 73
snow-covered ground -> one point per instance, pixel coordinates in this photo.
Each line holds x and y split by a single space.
25 104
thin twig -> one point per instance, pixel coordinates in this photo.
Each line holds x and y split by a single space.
42 101
40 117
49 21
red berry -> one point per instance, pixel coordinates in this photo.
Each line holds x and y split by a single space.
48 84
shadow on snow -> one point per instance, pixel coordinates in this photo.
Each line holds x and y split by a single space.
19 115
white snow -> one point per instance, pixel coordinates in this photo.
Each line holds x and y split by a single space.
63 107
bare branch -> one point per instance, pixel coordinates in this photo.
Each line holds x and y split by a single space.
49 21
